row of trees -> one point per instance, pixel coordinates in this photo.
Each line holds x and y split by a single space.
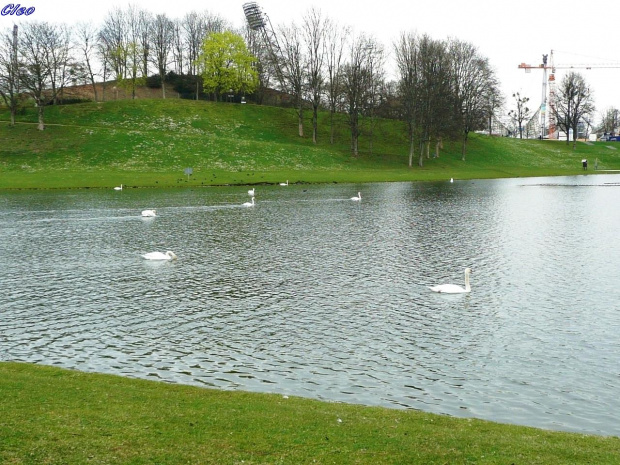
444 89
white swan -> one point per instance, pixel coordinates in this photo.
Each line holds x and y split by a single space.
359 197
249 204
453 288
451 179
119 188
251 191
160 256
284 183
149 213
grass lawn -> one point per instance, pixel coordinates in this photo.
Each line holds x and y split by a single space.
55 416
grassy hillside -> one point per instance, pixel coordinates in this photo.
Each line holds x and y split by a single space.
151 142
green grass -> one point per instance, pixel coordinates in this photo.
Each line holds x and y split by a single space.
150 143
54 416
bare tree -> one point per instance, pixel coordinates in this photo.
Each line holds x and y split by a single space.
294 67
610 121
177 47
44 57
521 113
407 50
9 71
58 58
473 82
435 96
574 104
356 81
114 41
143 37
86 43
495 102
336 37
314 28
162 32
375 68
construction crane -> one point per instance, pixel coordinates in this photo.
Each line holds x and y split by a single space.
548 65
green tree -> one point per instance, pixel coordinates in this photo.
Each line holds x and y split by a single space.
226 64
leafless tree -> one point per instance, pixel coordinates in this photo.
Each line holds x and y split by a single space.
435 96
177 47
44 60
62 67
356 79
86 43
9 71
135 53
495 102
473 82
407 50
143 37
521 113
295 69
162 32
376 73
574 104
113 39
314 30
336 37
610 121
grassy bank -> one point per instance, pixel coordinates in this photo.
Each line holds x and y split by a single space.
54 416
151 142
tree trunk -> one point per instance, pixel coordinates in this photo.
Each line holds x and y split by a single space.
315 122
300 119
411 149
163 88
41 125
421 158
464 146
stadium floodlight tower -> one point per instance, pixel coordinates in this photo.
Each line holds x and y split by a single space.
259 21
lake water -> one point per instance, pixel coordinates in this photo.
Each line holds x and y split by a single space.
311 294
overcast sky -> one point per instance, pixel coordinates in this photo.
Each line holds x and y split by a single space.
507 33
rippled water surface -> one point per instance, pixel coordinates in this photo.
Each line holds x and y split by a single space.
308 293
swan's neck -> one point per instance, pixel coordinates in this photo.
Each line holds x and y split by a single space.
467 286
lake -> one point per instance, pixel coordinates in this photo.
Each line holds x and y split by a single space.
308 293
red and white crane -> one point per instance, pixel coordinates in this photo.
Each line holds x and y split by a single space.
548 65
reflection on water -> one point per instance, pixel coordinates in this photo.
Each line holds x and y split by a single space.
311 294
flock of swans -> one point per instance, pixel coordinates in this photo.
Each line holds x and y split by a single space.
169 255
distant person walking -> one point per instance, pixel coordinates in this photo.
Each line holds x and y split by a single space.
584 162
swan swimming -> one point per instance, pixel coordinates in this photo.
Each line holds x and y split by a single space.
249 204
251 191
451 179
149 213
119 188
453 288
160 256
359 197
284 183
